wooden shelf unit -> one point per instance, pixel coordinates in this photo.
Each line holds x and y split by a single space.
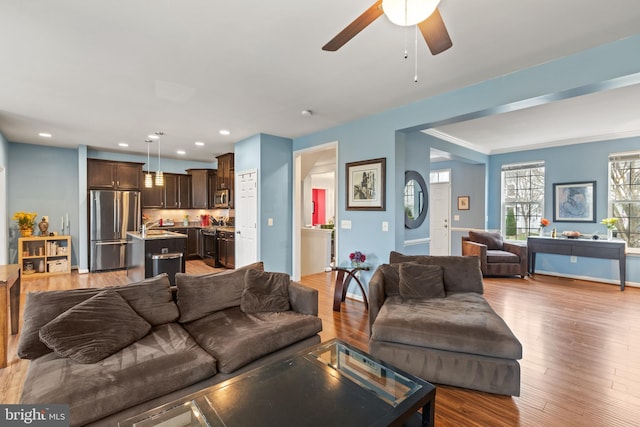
53 251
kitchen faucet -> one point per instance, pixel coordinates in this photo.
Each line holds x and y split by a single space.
147 225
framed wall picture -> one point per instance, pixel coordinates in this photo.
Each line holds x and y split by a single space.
574 202
366 185
463 203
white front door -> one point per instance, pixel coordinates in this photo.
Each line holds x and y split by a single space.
439 223
246 204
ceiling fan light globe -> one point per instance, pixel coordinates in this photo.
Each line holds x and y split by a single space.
416 11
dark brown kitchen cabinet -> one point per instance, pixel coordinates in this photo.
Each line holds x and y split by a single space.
201 187
225 171
174 194
110 175
177 192
193 235
225 175
226 248
153 198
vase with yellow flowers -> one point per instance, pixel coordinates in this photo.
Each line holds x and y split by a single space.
26 222
611 225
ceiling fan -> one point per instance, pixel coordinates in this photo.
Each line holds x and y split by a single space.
423 13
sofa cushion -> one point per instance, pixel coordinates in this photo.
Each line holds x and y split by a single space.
460 273
265 291
421 281
236 338
461 322
494 256
391 273
202 294
150 298
94 329
492 240
165 360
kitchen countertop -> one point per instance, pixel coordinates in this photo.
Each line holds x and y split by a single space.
157 234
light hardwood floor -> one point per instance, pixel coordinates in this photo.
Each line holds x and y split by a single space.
581 340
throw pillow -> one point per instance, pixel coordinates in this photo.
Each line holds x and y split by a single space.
421 281
265 292
150 298
94 329
203 294
493 241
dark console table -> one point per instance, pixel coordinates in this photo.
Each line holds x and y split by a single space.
607 249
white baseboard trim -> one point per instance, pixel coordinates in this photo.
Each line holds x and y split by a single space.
588 278
355 297
414 242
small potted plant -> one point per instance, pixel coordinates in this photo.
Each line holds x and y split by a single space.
26 222
611 225
357 258
543 223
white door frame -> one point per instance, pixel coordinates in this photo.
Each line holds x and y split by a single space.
297 203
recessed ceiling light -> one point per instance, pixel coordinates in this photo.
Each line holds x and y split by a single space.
153 136
181 152
123 144
45 135
200 143
224 132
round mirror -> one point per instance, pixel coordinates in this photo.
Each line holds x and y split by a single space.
416 201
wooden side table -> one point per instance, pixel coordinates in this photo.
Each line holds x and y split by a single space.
9 298
343 279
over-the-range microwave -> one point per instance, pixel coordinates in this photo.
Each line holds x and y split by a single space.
221 199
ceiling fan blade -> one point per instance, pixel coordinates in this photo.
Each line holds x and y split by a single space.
359 24
435 33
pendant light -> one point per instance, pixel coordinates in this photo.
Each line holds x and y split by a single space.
159 174
148 180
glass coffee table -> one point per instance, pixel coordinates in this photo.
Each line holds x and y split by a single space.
329 384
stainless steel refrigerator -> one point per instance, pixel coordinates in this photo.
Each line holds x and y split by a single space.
112 214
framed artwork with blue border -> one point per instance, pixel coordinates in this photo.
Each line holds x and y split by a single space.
574 202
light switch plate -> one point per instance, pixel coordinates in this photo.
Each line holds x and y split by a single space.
270 222
385 225
346 224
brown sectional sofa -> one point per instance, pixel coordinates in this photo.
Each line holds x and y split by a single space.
197 337
453 337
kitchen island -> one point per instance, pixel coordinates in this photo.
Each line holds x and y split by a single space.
154 252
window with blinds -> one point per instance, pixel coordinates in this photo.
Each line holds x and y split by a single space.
522 199
624 196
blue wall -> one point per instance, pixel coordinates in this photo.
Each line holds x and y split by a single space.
385 134
571 163
43 180
272 157
466 180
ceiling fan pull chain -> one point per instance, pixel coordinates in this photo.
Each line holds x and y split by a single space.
415 76
406 32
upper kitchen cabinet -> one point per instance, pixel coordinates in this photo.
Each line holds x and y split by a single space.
225 175
225 171
109 175
177 191
174 194
202 185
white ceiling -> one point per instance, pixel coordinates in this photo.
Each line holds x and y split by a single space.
99 73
